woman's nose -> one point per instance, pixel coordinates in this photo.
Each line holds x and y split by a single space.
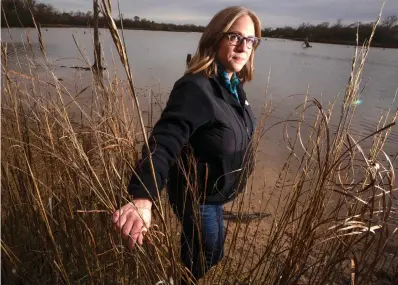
242 47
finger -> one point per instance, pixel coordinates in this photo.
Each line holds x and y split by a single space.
136 231
128 225
117 214
131 243
140 238
121 221
132 239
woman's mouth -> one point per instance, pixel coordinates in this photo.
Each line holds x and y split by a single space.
238 59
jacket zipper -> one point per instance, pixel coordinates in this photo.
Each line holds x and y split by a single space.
244 122
240 118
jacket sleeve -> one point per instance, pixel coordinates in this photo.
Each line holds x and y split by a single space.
187 109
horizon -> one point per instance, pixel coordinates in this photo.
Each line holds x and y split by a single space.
276 15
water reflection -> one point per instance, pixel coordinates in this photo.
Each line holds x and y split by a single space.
158 59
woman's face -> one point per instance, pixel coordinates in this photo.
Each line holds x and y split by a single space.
234 57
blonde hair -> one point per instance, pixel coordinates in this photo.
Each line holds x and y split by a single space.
204 58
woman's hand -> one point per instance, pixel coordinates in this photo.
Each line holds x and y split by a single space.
133 220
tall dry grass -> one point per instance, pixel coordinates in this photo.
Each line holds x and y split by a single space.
333 218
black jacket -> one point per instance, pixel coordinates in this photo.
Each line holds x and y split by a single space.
201 118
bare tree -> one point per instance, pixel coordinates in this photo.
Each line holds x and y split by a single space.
97 44
389 21
338 24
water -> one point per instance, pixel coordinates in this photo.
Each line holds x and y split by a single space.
158 60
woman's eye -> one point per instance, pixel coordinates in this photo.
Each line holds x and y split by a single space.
234 38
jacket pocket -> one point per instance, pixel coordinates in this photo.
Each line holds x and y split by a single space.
223 176
227 177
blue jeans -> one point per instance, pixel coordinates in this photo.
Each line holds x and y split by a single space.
202 236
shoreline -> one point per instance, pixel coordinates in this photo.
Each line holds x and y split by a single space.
333 42
345 43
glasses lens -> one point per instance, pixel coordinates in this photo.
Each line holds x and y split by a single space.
234 38
249 43
252 42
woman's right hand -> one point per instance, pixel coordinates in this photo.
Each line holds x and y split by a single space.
133 220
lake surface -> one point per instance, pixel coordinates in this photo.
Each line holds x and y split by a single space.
158 60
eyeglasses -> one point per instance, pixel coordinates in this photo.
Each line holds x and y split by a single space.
237 39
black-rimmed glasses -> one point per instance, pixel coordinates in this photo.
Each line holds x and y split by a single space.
236 39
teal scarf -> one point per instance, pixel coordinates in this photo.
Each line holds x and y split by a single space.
230 85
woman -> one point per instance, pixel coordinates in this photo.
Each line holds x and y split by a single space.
209 119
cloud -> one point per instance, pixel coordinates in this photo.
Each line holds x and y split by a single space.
272 13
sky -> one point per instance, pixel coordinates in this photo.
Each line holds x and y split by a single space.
273 13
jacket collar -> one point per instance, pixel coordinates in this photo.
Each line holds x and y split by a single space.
230 84
224 94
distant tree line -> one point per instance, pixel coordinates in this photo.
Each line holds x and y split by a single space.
18 13
386 33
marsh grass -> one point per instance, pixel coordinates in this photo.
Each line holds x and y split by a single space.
329 217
